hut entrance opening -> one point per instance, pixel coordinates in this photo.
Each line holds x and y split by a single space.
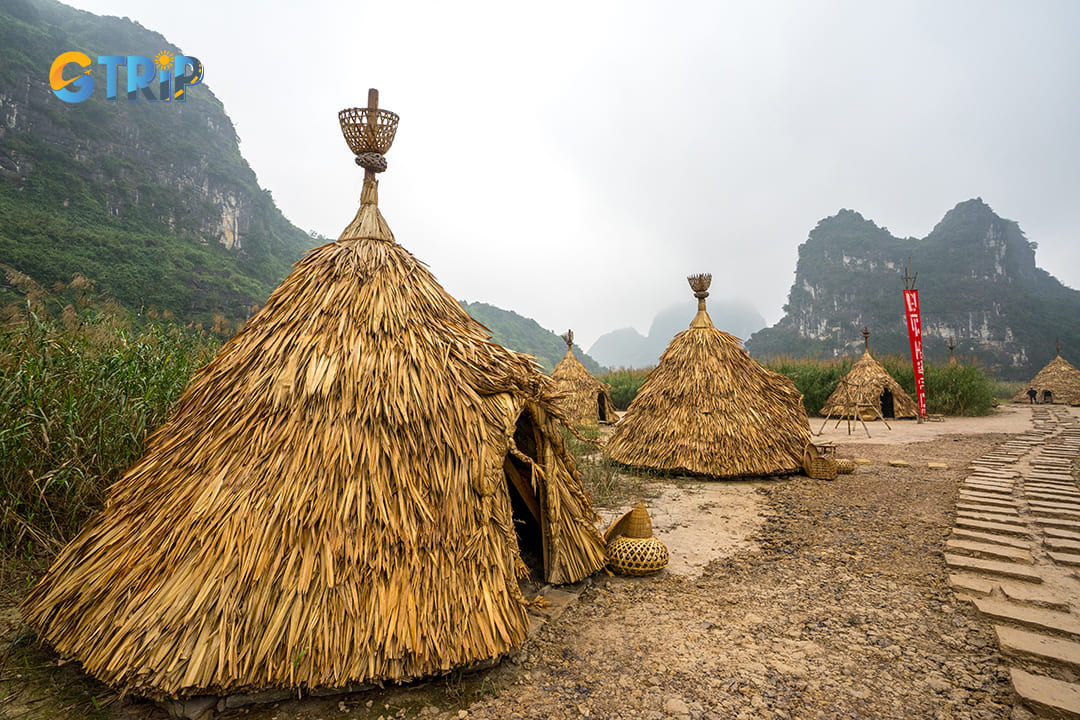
1048 397
525 500
887 408
601 411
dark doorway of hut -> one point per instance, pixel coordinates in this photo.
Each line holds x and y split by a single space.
601 410
1048 397
528 511
887 409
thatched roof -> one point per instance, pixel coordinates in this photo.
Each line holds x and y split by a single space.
864 385
1059 378
710 409
329 502
586 400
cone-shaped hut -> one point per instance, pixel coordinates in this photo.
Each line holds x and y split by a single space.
710 409
1058 382
586 400
344 494
868 385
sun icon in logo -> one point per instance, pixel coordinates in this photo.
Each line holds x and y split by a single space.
163 60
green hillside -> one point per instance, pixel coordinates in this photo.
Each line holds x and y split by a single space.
152 202
525 335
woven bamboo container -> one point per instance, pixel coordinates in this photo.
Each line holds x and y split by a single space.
631 547
332 501
637 556
817 466
845 466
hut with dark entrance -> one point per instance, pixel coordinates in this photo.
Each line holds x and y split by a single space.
334 498
710 409
586 400
868 392
1057 382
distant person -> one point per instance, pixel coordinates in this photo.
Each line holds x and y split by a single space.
1032 395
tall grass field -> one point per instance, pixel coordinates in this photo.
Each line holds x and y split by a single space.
78 396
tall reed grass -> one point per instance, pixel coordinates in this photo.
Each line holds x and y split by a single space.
815 379
950 389
78 396
624 383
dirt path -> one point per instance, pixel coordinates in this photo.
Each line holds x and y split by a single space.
793 598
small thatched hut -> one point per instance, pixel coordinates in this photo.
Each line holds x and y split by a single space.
586 400
710 409
1058 382
349 492
867 386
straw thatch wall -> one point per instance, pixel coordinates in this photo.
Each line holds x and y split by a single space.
586 400
710 409
864 384
327 504
1060 378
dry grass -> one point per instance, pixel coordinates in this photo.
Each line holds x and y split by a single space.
327 504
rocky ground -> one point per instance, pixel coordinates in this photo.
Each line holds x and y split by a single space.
832 602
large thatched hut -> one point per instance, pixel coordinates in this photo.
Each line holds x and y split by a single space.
867 390
349 492
586 400
710 409
1058 382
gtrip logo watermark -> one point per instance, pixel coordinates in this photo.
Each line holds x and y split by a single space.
170 75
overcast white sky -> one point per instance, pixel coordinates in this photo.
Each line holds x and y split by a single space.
574 161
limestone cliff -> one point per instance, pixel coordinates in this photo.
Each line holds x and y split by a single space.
978 285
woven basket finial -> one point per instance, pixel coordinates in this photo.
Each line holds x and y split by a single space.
369 132
568 338
866 338
700 284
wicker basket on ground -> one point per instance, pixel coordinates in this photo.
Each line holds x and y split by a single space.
845 466
817 466
631 547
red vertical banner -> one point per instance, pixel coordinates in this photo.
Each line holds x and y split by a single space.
914 331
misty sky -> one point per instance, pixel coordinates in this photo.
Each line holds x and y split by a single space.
575 161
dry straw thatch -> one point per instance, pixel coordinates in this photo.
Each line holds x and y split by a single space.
866 386
586 400
332 501
1058 382
710 409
